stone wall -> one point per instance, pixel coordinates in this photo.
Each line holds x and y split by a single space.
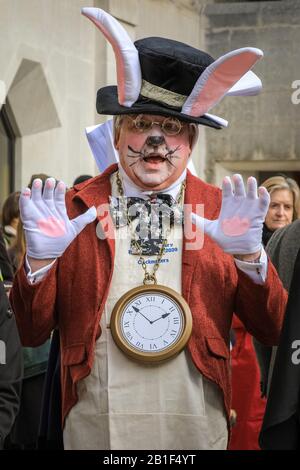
263 133
47 64
53 60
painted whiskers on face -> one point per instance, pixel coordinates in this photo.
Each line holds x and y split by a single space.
142 155
151 158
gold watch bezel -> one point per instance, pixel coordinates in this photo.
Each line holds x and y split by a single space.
146 356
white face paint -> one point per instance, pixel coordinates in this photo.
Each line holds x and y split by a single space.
151 159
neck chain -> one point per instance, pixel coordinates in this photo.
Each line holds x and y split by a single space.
149 278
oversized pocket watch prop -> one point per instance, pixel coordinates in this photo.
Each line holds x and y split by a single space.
151 323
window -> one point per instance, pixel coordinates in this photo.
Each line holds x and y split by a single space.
7 140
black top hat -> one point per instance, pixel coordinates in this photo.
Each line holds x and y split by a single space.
166 77
169 69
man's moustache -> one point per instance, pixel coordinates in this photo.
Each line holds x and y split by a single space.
143 155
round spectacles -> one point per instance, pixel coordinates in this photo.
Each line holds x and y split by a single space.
169 126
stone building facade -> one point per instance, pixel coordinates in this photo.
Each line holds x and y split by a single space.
263 135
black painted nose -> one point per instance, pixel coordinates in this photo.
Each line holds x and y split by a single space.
155 140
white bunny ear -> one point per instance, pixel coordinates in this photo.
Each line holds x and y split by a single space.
222 122
129 75
248 85
100 138
218 78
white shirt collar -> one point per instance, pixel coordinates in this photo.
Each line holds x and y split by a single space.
132 190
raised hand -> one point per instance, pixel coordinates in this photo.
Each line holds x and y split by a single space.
238 230
48 229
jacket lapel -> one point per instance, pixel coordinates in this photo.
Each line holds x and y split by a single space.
96 193
188 260
197 192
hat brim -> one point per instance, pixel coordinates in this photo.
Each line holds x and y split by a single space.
107 103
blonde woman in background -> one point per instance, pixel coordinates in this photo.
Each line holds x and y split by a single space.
280 428
249 396
284 204
283 210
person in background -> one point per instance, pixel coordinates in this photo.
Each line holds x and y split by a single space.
249 395
283 210
281 424
284 204
81 179
10 217
6 269
41 176
11 367
24 434
17 250
246 399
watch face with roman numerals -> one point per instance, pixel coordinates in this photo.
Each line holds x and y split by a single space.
151 323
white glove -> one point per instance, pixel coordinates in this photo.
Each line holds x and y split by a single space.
48 229
238 230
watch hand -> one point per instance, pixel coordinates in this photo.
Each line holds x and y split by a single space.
138 311
164 315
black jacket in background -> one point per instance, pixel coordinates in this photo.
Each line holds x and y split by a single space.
50 433
5 265
11 367
281 425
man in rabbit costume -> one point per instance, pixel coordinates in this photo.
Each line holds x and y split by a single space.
72 278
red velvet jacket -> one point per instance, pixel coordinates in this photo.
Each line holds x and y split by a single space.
73 294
